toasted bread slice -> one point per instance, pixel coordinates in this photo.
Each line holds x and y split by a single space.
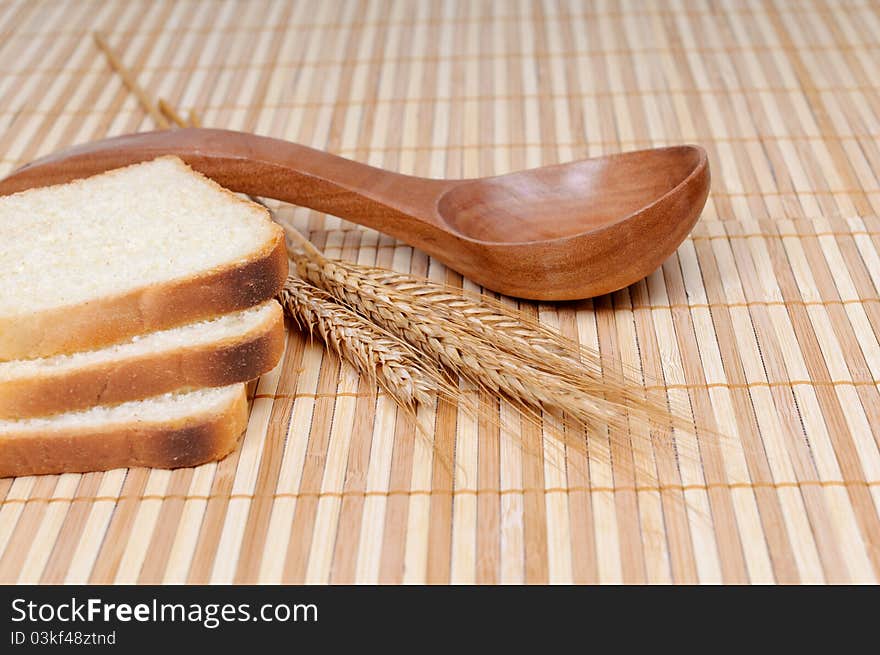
137 249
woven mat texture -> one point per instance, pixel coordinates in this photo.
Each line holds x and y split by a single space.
764 324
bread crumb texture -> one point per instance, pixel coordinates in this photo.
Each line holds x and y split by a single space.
164 409
122 230
234 326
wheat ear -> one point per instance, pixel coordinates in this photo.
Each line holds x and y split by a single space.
373 353
503 374
493 351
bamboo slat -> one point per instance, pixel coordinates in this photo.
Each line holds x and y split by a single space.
764 325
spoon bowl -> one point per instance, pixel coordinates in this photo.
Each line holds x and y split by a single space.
558 232
565 200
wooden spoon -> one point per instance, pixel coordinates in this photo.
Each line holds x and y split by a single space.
553 233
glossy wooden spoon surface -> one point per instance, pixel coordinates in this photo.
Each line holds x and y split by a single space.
559 232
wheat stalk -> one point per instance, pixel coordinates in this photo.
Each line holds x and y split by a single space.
508 329
494 351
405 375
374 354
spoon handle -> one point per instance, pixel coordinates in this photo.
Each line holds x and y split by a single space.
261 166
274 168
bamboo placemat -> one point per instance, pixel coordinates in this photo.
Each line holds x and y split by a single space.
765 323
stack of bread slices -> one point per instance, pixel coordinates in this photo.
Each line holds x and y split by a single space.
134 307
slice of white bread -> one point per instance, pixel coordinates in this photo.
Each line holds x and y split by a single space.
217 352
168 431
137 249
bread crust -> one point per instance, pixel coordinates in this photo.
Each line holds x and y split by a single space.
105 321
174 444
213 364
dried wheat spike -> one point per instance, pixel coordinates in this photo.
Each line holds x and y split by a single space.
373 353
489 356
